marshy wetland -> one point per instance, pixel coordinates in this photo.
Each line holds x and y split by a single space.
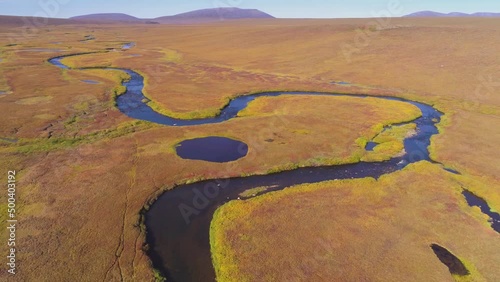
319 201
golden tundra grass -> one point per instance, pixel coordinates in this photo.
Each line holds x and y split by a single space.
355 230
86 170
390 143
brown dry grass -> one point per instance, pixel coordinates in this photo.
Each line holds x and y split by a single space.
355 230
82 189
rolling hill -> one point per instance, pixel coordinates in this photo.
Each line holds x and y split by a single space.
107 17
216 15
204 15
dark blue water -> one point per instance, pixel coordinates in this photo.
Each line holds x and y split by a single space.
212 149
57 62
452 171
178 221
454 264
370 146
475 201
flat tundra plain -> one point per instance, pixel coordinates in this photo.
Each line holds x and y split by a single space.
85 170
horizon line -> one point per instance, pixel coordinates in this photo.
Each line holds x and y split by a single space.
339 17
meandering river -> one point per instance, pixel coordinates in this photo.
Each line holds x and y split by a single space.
178 222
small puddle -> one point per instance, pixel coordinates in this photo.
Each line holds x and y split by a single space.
452 171
212 149
340 83
57 62
3 92
370 146
475 201
88 81
453 263
128 45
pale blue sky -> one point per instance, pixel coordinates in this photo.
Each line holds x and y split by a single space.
277 8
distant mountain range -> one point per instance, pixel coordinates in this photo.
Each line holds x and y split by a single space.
198 16
107 17
205 15
432 14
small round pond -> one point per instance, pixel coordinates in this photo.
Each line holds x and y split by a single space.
212 149
370 146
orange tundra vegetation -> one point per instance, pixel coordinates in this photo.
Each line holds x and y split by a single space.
355 230
85 170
